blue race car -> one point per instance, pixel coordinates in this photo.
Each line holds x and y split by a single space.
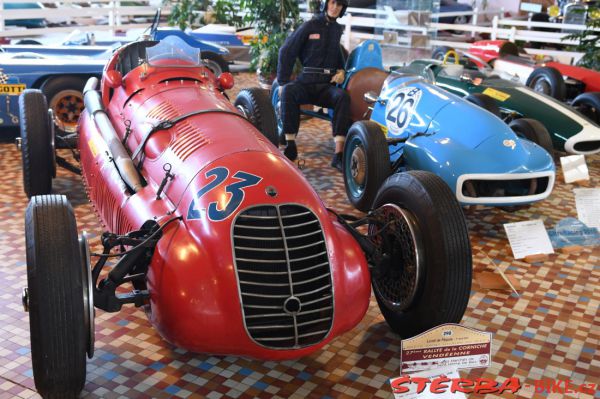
61 79
414 125
454 6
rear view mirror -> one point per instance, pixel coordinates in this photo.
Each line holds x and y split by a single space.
226 81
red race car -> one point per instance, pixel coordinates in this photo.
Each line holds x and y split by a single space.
561 81
225 244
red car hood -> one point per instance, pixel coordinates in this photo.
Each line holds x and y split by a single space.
587 76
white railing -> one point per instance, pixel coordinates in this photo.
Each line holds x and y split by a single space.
88 13
498 28
96 15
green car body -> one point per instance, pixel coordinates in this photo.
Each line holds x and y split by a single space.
570 131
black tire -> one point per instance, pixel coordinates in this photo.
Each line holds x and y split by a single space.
542 17
533 130
485 102
55 297
215 62
432 219
276 103
508 48
65 98
439 53
28 42
37 152
255 104
549 81
366 163
589 105
461 20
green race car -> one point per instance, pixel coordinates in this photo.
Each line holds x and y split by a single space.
569 129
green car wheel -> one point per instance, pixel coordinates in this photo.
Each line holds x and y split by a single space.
534 131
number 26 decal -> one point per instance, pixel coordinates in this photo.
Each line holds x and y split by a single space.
400 109
236 189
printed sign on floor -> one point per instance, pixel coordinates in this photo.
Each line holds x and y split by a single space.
574 168
572 232
528 238
446 345
587 201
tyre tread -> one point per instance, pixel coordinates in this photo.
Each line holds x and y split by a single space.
212 56
260 106
35 143
56 297
377 154
455 276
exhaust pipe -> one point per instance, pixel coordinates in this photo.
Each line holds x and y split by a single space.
93 104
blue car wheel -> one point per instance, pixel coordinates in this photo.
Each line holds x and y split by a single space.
276 102
366 163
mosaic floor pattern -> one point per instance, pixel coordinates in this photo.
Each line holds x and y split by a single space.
551 331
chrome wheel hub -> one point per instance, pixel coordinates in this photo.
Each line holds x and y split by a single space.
358 165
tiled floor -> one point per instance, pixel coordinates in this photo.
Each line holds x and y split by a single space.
551 331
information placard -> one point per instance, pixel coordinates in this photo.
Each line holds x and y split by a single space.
528 238
587 201
448 345
574 168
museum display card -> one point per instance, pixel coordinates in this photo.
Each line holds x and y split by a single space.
574 168
587 201
446 345
528 238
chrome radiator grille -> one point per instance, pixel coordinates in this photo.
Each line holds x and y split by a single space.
283 275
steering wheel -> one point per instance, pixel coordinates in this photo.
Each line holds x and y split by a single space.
448 54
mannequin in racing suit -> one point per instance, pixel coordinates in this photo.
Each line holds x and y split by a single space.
317 44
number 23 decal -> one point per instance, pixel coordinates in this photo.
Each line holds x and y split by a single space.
400 109
236 189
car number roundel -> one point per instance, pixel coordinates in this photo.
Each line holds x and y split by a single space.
400 109
218 211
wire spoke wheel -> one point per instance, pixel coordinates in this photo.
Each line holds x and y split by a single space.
421 275
397 282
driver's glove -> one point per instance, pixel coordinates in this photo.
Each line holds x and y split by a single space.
338 78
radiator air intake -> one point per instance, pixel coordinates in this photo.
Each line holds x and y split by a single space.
284 276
